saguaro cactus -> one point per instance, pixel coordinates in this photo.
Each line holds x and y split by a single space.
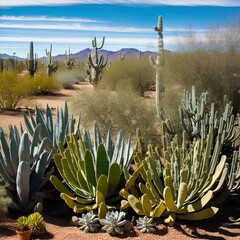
51 63
31 62
96 63
69 60
158 66
1 63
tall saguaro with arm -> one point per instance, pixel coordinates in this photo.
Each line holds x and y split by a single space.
96 63
51 63
32 61
158 66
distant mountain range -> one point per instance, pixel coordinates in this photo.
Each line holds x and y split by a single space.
83 55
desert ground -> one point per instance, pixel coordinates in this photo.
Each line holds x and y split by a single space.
218 227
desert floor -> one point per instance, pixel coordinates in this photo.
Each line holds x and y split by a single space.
59 228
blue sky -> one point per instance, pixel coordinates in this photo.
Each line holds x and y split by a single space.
125 24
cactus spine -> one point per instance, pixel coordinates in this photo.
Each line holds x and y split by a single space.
69 61
32 61
158 66
51 63
96 63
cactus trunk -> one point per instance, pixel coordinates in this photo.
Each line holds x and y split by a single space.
158 66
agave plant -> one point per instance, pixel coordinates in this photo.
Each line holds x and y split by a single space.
92 173
114 223
89 222
54 131
23 166
145 224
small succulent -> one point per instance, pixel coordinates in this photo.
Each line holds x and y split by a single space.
88 222
22 223
36 224
145 224
114 223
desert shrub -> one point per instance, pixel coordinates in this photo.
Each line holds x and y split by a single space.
118 110
4 202
13 90
43 84
135 73
212 65
69 78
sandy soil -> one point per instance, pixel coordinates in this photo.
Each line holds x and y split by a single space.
59 228
54 101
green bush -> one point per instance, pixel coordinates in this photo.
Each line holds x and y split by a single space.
69 78
211 65
118 110
43 84
13 90
133 73
4 202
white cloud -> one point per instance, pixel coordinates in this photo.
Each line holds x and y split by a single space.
137 41
227 3
45 18
86 40
76 27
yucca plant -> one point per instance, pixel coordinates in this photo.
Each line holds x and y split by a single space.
55 131
92 173
23 166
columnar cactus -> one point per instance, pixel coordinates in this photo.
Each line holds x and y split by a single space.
51 63
31 61
1 63
69 60
158 66
96 63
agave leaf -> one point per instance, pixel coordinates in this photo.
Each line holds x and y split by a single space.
27 123
90 171
168 197
22 183
38 173
182 194
102 185
60 186
133 178
158 210
77 207
69 176
203 214
135 204
113 178
117 147
146 204
102 162
13 155
97 139
197 205
24 149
